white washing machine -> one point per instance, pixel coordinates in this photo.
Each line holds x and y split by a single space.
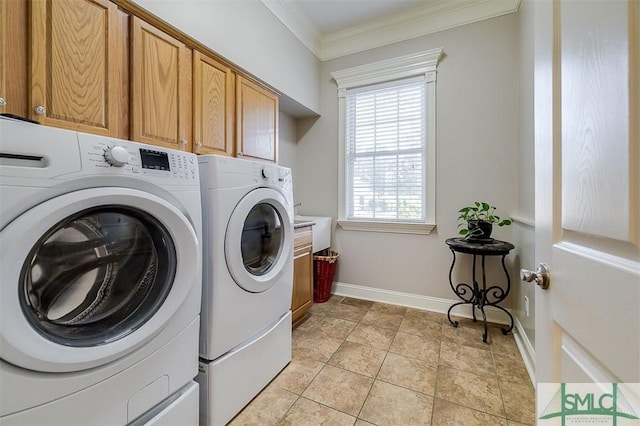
100 279
247 281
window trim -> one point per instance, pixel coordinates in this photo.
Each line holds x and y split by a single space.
413 65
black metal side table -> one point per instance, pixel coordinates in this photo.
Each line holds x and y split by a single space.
479 296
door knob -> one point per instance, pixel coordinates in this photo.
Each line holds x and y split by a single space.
540 275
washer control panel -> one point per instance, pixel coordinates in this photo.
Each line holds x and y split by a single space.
137 159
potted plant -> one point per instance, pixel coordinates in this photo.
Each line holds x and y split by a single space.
479 219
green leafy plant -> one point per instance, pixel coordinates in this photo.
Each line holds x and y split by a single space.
478 212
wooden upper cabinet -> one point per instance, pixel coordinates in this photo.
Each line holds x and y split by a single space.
13 57
213 106
257 121
161 88
75 65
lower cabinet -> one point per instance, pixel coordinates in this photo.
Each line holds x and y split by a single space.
302 298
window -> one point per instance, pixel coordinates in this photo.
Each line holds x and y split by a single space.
387 145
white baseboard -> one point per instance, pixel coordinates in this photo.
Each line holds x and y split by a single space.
436 304
527 351
417 301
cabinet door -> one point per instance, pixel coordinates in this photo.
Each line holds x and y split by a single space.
161 99
13 57
75 65
302 298
213 106
257 120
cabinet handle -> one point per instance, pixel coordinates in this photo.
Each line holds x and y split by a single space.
3 103
40 110
198 143
183 141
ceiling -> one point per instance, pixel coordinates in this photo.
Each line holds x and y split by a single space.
334 28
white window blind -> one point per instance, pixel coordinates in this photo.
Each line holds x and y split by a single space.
385 155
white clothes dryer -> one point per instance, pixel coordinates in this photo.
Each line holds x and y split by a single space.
100 279
247 281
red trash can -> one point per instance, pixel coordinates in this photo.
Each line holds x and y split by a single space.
324 269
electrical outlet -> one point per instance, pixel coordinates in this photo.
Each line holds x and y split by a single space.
526 306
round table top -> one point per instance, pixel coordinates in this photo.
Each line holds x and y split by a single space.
489 247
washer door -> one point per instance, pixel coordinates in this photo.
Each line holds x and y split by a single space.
259 240
90 276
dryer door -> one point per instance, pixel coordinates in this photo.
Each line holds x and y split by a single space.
89 276
259 240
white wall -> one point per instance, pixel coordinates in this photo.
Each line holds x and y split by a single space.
247 34
477 157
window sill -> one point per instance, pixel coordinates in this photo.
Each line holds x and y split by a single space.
391 227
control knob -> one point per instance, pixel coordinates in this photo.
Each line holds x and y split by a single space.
266 173
117 156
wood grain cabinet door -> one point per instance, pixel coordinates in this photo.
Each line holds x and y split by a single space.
13 57
75 65
160 95
213 106
257 121
302 297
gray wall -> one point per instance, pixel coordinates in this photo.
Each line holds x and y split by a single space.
524 232
477 156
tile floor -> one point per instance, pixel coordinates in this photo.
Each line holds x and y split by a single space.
357 362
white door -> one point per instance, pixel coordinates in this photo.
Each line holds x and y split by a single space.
587 124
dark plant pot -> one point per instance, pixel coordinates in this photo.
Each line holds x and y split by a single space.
479 230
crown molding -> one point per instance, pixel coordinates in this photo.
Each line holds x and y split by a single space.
417 22
390 69
297 22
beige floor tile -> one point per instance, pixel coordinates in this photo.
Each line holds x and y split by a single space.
358 358
296 376
316 348
467 358
309 413
388 309
408 372
519 402
421 326
446 413
470 390
357 302
311 322
376 337
431 316
267 408
413 346
347 312
339 389
511 368
500 343
380 319
409 368
461 335
388 404
322 308
361 422
336 327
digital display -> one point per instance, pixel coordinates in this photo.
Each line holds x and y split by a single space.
154 160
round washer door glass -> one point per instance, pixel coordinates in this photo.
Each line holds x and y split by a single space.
262 239
97 276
